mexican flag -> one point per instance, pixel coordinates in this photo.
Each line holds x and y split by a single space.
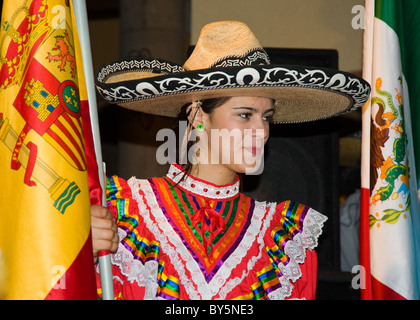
390 228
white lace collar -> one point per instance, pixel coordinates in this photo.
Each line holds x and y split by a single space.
201 187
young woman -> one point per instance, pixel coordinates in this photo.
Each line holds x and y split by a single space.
192 234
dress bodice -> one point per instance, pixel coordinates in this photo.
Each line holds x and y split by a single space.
185 238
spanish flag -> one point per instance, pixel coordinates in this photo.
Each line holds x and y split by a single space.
49 176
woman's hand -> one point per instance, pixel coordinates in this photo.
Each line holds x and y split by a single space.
104 230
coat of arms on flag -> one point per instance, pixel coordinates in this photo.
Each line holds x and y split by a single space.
45 197
48 100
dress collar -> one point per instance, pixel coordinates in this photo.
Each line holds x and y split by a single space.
202 187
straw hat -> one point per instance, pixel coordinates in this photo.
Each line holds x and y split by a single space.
228 60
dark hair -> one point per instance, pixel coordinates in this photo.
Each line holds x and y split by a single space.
208 106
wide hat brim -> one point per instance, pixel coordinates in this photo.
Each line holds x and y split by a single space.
301 93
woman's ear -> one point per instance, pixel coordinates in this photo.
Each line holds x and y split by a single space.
196 114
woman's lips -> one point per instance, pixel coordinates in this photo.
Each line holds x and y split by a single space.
253 150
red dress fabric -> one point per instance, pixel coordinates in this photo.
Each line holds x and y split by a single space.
184 238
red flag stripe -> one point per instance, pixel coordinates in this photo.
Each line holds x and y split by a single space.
78 279
366 292
382 292
95 189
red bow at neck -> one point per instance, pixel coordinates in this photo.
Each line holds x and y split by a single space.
211 220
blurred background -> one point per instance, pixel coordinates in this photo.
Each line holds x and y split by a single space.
317 164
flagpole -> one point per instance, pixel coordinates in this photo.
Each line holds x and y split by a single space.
80 13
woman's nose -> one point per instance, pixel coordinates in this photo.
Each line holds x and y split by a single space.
261 128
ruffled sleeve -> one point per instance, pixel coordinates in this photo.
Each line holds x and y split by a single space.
136 245
290 242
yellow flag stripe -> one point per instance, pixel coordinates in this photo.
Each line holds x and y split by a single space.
47 225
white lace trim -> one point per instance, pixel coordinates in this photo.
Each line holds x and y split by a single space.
231 284
295 250
308 239
196 285
253 233
144 274
193 185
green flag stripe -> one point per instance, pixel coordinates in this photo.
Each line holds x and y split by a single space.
403 16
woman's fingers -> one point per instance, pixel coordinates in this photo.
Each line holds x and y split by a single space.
104 230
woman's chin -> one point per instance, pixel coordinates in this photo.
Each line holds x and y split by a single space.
255 168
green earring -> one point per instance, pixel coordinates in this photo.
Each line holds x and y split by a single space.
200 127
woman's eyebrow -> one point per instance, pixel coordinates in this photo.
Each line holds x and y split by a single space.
269 110
246 108
253 109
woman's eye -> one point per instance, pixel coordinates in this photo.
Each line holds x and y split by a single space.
245 115
248 115
269 118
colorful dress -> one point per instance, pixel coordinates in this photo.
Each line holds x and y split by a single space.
185 238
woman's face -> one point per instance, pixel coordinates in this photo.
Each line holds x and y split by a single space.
237 132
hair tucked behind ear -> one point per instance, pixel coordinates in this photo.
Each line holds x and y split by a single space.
208 106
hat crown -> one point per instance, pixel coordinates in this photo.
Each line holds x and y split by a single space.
226 43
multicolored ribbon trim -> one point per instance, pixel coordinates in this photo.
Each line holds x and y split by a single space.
169 287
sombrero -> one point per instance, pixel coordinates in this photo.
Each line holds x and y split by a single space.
227 61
